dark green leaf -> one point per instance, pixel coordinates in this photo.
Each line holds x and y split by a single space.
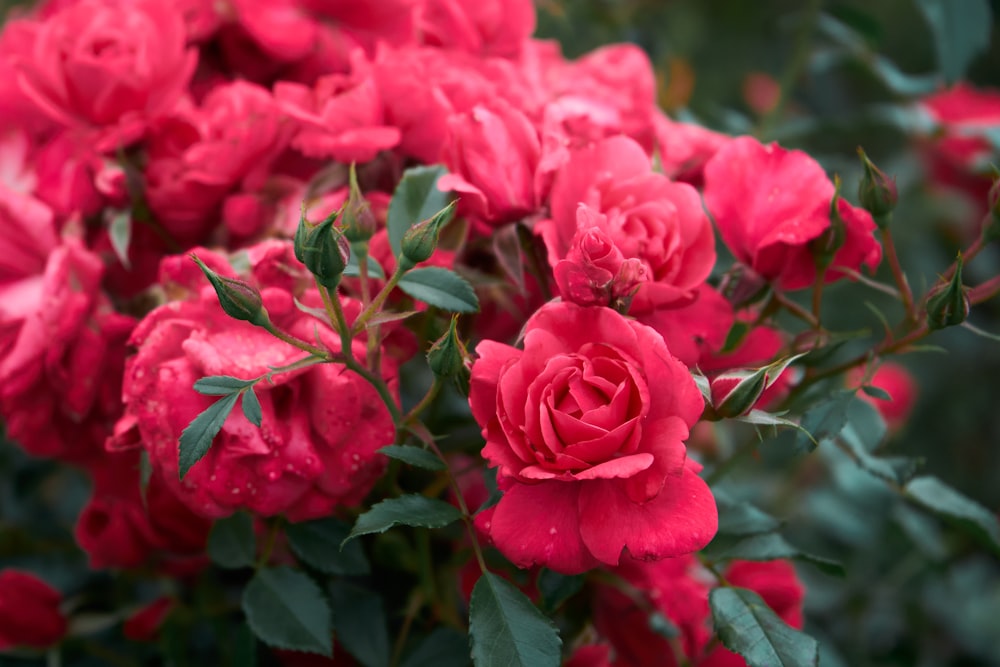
766 546
557 588
251 407
747 626
824 420
414 456
317 543
197 437
221 385
359 621
286 609
863 433
409 510
231 543
244 647
441 288
933 494
442 648
663 626
416 199
741 518
737 333
876 392
120 233
961 31
506 630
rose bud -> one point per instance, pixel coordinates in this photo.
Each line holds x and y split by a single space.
948 305
448 355
324 251
876 191
420 241
238 299
735 393
29 611
357 219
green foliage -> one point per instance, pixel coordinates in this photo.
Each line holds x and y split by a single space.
747 626
120 234
317 543
961 31
196 439
286 609
409 510
231 543
360 623
933 494
442 648
506 630
414 456
441 288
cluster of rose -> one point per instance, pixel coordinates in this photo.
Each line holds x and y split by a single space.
276 205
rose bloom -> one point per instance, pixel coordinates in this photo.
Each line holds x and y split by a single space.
29 611
645 214
490 28
771 203
322 425
108 66
586 426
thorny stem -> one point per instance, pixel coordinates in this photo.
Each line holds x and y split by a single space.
463 506
376 305
797 310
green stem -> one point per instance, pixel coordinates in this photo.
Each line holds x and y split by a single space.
905 293
295 342
376 305
463 506
797 310
416 602
414 414
269 541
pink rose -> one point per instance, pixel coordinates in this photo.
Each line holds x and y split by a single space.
489 28
340 117
197 158
321 425
684 148
29 611
646 216
588 421
770 204
595 273
108 66
492 155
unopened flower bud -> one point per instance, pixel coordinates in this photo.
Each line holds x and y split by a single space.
448 355
238 299
735 393
948 305
325 252
420 241
876 191
357 219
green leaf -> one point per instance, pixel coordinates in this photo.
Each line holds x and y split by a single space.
876 392
416 199
317 543
231 543
197 437
766 546
287 610
221 385
441 288
359 621
863 433
251 407
409 510
506 630
414 456
244 646
120 233
353 269
936 496
824 420
961 31
442 648
742 518
747 626
557 588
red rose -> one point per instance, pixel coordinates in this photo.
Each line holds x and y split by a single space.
29 611
321 426
588 422
489 28
478 142
770 203
108 65
144 625
646 216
